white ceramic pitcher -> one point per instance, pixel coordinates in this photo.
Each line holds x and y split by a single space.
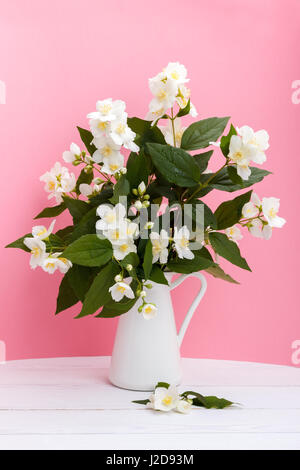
147 351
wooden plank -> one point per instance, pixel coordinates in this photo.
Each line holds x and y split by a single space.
197 372
149 422
104 396
235 441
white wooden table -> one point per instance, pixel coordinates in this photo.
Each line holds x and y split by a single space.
68 403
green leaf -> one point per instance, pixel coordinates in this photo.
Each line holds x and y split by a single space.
223 181
87 137
176 165
137 169
131 258
199 134
83 178
217 272
213 402
188 266
141 402
51 211
121 188
114 309
19 243
145 131
65 234
162 385
89 250
227 249
229 212
66 296
225 141
202 160
184 111
80 279
157 275
235 178
147 264
87 225
207 402
98 294
76 208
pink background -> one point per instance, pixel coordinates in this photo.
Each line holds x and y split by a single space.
57 58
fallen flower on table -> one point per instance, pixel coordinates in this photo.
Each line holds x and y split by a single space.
166 397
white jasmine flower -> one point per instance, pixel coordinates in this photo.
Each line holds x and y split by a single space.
149 311
181 243
120 250
108 110
256 201
113 164
98 127
38 251
241 154
119 290
160 244
183 406
121 134
168 132
49 265
260 230
177 72
259 140
107 148
54 262
164 94
164 399
250 210
122 232
270 208
40 231
58 181
70 155
111 217
63 264
233 233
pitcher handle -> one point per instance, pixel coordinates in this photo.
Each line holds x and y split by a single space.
194 304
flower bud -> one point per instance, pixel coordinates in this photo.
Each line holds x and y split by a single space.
76 162
149 225
129 267
146 204
141 188
138 205
140 309
146 196
135 191
123 171
118 278
149 286
143 293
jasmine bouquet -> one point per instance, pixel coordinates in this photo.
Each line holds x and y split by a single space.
134 221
